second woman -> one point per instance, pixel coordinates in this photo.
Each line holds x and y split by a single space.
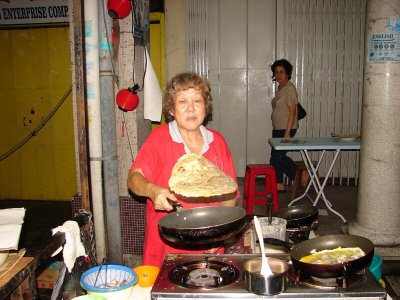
284 119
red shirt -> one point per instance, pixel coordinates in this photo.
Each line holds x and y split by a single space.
156 159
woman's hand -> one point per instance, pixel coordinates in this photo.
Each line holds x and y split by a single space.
212 250
161 198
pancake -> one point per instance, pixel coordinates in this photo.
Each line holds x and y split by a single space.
195 179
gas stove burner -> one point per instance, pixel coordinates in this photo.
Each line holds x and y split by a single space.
329 283
203 274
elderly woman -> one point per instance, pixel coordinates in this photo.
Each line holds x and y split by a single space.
187 102
284 119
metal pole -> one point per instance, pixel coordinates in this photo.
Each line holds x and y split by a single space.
109 140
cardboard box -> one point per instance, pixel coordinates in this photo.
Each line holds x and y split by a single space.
48 278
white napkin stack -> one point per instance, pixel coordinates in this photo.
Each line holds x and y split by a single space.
73 247
11 220
152 94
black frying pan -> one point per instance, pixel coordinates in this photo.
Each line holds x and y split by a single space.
299 215
202 225
329 242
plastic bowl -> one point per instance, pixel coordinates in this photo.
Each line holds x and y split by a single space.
3 257
147 275
116 274
375 267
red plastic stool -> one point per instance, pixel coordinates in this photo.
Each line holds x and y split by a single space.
252 197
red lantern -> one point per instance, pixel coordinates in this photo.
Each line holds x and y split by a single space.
127 99
119 9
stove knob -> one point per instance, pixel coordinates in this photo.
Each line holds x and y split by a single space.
231 270
184 279
179 268
218 280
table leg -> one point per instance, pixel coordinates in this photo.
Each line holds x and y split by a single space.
311 173
314 180
321 193
321 190
314 176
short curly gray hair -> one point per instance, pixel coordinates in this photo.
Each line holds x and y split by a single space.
183 82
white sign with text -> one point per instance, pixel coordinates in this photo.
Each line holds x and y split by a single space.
20 12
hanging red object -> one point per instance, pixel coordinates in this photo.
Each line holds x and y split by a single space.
119 9
127 99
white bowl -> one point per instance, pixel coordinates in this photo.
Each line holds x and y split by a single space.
3 257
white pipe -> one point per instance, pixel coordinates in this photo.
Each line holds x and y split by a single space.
94 122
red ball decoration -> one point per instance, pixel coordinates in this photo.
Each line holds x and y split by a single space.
119 9
127 99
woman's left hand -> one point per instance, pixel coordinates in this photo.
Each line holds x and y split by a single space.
287 134
212 250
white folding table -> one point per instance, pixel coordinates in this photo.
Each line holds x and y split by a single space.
306 144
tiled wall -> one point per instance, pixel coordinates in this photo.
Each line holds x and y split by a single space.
133 219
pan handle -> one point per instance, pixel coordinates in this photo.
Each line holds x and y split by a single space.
278 242
269 204
175 205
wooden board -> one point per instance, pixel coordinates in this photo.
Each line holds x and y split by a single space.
20 265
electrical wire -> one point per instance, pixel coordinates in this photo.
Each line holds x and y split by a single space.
115 76
134 52
38 128
127 134
145 68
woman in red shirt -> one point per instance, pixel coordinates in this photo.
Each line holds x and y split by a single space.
187 103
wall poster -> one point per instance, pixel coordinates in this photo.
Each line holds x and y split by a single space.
385 46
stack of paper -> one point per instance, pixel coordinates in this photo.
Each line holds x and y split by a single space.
11 220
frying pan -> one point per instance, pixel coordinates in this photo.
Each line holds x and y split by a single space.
202 225
330 242
299 215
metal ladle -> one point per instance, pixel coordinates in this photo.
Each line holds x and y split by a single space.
265 268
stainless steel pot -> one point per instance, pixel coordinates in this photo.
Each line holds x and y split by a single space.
265 285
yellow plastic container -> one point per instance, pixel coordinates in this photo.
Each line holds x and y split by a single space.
147 275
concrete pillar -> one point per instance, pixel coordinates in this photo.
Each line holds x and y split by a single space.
378 208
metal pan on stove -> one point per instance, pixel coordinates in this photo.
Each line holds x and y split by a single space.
330 242
298 216
202 225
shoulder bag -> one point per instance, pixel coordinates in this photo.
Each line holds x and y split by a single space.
301 112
